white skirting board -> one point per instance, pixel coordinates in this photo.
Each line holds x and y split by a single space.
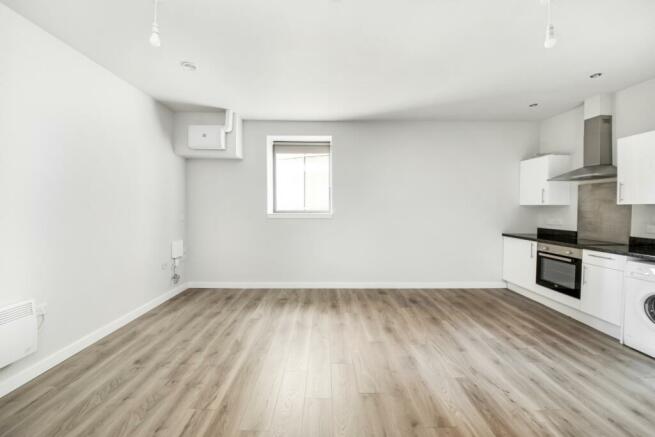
26 375
600 325
363 285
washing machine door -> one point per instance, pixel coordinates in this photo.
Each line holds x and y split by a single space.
639 316
649 307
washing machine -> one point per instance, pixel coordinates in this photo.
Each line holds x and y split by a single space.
639 312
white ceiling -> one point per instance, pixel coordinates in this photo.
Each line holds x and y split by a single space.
363 59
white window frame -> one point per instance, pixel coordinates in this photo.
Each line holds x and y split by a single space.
270 176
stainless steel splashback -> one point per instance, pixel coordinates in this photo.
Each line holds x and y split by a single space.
599 217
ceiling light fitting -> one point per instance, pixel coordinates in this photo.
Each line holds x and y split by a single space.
551 39
155 39
533 105
595 75
188 66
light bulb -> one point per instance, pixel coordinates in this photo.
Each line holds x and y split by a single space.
551 39
155 40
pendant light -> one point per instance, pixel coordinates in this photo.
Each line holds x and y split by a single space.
551 39
155 40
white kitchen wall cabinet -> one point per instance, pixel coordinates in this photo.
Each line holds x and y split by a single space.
636 169
519 262
602 286
535 189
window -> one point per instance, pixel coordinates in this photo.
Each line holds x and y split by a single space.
299 177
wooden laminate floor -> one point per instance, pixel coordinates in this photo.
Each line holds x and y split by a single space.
343 363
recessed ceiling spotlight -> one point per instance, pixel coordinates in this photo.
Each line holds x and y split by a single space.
533 105
188 66
595 75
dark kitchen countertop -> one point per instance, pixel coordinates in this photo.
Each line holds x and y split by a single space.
646 253
580 244
624 249
530 237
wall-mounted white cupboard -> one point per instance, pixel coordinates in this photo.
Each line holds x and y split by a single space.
636 169
534 187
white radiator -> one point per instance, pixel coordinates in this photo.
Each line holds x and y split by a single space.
18 329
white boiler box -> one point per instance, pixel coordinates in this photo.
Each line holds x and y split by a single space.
206 137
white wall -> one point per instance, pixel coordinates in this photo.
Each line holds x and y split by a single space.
413 202
634 112
91 193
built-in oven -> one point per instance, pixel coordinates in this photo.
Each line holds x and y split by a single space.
559 268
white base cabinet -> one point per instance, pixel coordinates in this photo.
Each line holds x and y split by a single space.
601 303
534 187
636 169
602 285
602 291
519 262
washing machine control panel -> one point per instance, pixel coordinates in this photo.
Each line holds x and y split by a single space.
640 270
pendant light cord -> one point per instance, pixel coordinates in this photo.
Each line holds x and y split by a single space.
547 13
154 18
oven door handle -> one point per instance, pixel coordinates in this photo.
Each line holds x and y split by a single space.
558 258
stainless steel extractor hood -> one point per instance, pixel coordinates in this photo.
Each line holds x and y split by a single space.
597 152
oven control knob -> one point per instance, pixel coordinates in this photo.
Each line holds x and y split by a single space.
568 252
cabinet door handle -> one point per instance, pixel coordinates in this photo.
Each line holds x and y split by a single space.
558 258
584 275
601 257
639 274
621 191
543 195
531 250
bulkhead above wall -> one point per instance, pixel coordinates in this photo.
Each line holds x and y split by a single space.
207 133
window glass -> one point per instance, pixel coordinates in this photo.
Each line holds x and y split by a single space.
301 178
